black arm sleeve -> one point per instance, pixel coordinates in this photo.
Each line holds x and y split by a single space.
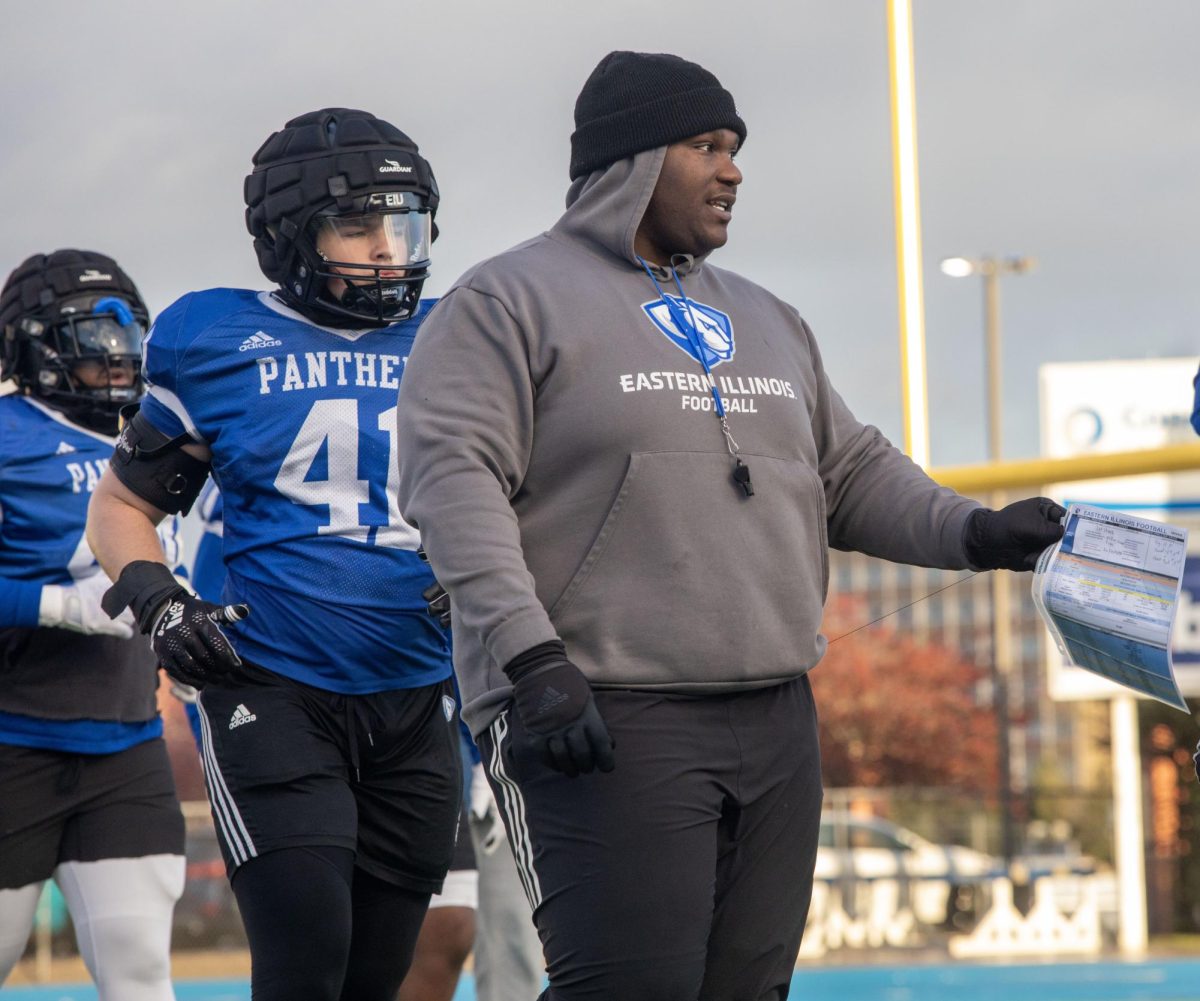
155 466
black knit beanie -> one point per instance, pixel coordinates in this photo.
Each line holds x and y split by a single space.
635 101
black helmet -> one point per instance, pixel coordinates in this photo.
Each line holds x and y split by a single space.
336 177
61 310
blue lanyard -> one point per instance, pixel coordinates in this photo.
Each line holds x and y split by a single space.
687 323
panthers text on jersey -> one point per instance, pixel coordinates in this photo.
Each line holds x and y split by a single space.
62 690
301 422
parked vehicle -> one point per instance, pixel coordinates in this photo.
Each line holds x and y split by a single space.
938 882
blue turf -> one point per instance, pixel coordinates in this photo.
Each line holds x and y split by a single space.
1157 980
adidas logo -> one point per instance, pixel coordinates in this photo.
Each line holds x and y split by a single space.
64 449
551 697
241 715
258 339
174 617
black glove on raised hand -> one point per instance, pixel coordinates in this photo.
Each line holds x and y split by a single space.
554 701
1014 537
184 630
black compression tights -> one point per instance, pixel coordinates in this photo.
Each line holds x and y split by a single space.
322 930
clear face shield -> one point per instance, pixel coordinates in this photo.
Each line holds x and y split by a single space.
370 259
90 360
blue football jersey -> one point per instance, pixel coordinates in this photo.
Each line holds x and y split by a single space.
301 422
208 568
63 690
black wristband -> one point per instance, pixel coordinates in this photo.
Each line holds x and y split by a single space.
973 537
142 588
536 656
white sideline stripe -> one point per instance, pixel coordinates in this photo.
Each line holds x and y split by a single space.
514 809
241 848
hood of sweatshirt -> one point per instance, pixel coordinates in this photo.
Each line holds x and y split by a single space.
605 209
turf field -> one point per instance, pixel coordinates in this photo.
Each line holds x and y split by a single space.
1156 980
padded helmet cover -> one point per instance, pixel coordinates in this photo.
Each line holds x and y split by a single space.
40 285
60 309
325 161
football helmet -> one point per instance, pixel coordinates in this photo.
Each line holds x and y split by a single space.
73 324
341 207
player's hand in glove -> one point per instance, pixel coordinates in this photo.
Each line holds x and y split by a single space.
555 704
77 607
184 630
485 813
437 603
1014 537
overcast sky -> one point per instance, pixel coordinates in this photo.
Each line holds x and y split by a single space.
1068 130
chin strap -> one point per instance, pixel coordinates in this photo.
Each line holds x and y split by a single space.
324 317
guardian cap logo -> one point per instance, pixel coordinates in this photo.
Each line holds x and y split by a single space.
394 167
92 275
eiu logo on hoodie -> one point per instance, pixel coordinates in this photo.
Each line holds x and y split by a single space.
714 328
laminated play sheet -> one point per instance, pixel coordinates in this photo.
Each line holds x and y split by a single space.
1108 593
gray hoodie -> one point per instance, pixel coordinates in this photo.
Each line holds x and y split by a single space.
561 457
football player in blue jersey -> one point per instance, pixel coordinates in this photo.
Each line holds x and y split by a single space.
86 793
448 932
329 727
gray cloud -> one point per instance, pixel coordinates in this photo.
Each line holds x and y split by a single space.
1068 131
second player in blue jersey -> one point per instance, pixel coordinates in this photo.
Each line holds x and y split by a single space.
328 722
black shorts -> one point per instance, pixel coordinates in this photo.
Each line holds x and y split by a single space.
63 807
464 851
287 764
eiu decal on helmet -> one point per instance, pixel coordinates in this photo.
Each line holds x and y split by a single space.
332 190
73 324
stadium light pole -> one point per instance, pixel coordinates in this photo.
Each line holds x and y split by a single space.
990 269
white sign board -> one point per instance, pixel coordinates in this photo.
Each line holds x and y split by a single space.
1120 406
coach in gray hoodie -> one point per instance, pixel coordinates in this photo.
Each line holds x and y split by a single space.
627 466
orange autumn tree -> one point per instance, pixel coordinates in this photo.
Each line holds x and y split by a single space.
896 712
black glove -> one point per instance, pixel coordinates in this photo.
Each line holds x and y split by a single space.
554 701
184 630
1014 537
437 603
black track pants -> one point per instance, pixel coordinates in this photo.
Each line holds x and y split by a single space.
686 873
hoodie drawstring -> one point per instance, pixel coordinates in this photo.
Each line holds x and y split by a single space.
687 323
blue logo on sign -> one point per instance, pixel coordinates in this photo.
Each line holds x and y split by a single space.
714 331
1084 427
